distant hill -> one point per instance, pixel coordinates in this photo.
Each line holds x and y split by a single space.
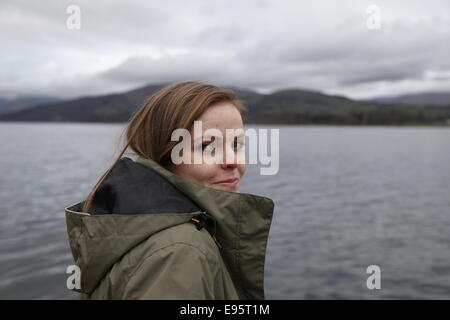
24 102
105 108
420 99
290 106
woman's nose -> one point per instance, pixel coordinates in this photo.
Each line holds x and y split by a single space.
230 157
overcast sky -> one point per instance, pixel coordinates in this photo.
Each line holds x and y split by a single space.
258 44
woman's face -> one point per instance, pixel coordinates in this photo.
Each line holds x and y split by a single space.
220 116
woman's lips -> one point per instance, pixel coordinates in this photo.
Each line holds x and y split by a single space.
228 183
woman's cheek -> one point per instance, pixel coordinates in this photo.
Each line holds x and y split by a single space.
207 173
241 168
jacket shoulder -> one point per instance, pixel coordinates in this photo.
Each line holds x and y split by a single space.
186 233
179 240
180 262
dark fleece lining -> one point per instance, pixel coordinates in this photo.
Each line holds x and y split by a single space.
133 188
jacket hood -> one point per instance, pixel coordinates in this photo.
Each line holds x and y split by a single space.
140 198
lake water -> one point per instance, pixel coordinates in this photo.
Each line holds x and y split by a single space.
345 198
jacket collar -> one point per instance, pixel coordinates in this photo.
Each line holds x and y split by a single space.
243 221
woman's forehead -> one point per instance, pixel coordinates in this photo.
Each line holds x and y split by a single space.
221 116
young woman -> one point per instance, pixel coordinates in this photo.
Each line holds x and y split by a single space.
154 228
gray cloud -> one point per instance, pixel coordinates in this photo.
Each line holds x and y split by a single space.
264 45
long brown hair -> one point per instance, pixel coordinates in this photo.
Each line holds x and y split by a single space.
148 132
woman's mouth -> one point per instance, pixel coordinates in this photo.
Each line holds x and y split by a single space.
229 183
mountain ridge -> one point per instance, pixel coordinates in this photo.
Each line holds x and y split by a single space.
286 106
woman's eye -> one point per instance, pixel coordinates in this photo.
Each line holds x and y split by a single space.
204 146
239 144
236 145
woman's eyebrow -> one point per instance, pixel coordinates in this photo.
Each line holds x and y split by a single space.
209 137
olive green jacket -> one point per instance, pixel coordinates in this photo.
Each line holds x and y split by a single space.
163 255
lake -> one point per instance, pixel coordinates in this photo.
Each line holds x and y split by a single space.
345 198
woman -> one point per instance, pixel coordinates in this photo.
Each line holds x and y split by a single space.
154 229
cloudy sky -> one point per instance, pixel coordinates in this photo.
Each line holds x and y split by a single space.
265 45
